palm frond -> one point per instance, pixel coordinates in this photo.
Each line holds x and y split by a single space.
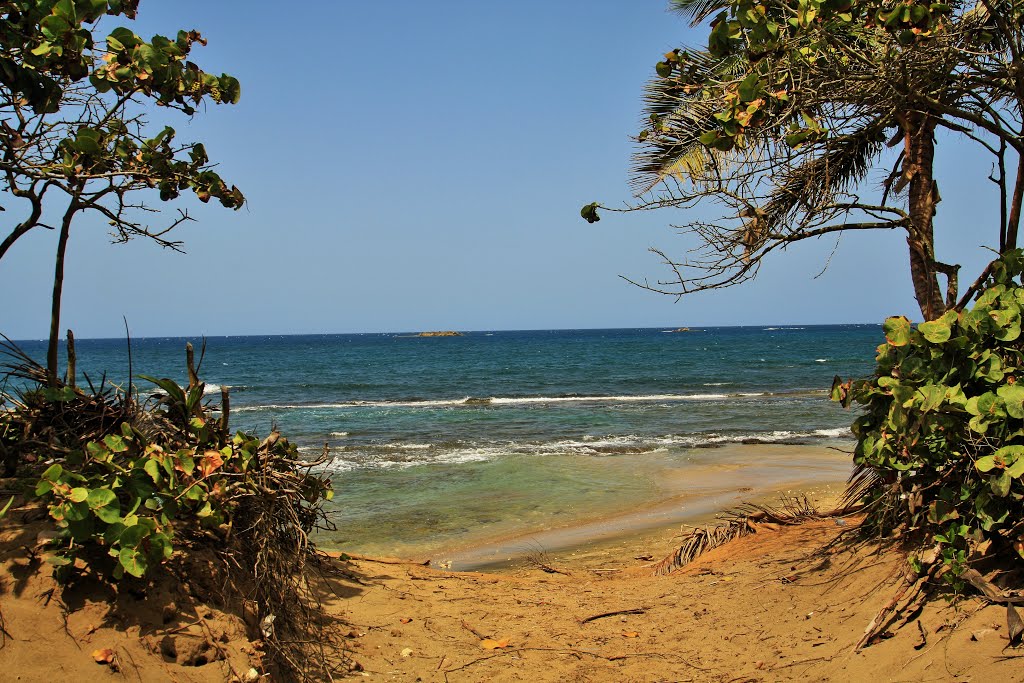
677 103
863 480
844 162
739 522
697 10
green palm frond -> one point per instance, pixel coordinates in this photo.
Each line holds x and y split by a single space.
683 113
697 10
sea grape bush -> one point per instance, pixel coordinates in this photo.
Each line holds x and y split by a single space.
943 427
132 498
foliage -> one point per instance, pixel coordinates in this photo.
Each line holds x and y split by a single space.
132 497
940 446
129 485
791 105
74 137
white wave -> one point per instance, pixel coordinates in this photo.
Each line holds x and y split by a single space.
838 431
339 434
211 388
717 384
403 456
502 400
821 360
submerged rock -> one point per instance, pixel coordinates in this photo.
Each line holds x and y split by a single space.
441 333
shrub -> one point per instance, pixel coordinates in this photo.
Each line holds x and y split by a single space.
940 446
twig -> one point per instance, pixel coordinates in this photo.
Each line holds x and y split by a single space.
472 630
378 560
635 610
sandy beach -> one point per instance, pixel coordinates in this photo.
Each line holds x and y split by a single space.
780 605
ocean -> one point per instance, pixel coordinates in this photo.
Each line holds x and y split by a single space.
450 440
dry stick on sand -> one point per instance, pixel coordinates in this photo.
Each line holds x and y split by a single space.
635 610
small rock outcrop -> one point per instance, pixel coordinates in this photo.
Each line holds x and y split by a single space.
441 333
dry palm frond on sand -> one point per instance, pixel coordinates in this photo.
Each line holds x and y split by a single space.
739 522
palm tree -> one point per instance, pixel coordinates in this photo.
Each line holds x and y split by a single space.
797 167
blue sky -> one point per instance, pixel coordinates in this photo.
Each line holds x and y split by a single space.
414 165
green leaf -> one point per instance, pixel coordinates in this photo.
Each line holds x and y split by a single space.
897 330
133 535
1000 484
936 331
1013 397
115 443
170 387
749 88
932 396
985 463
1016 469
589 213
133 561
942 511
78 495
152 469
58 560
75 512
53 473
101 498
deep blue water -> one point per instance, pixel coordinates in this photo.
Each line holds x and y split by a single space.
414 423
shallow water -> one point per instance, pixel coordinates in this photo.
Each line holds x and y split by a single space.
455 439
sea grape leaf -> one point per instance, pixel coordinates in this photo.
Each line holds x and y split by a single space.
1000 484
897 330
133 561
932 396
936 331
152 469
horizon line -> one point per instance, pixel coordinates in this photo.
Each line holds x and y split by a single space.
415 333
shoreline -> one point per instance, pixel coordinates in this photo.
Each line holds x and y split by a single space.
695 494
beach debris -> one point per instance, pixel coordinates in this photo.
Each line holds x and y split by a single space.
104 656
635 610
472 630
923 637
252 675
630 634
267 626
407 652
1014 625
489 644
740 522
405 620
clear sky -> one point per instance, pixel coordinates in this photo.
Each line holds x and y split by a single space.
414 165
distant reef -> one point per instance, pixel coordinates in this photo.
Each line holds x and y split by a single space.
680 329
440 333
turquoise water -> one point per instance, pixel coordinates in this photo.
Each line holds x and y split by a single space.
457 438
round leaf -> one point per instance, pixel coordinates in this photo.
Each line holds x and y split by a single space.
897 330
936 331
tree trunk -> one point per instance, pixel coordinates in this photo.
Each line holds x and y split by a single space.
921 200
52 371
